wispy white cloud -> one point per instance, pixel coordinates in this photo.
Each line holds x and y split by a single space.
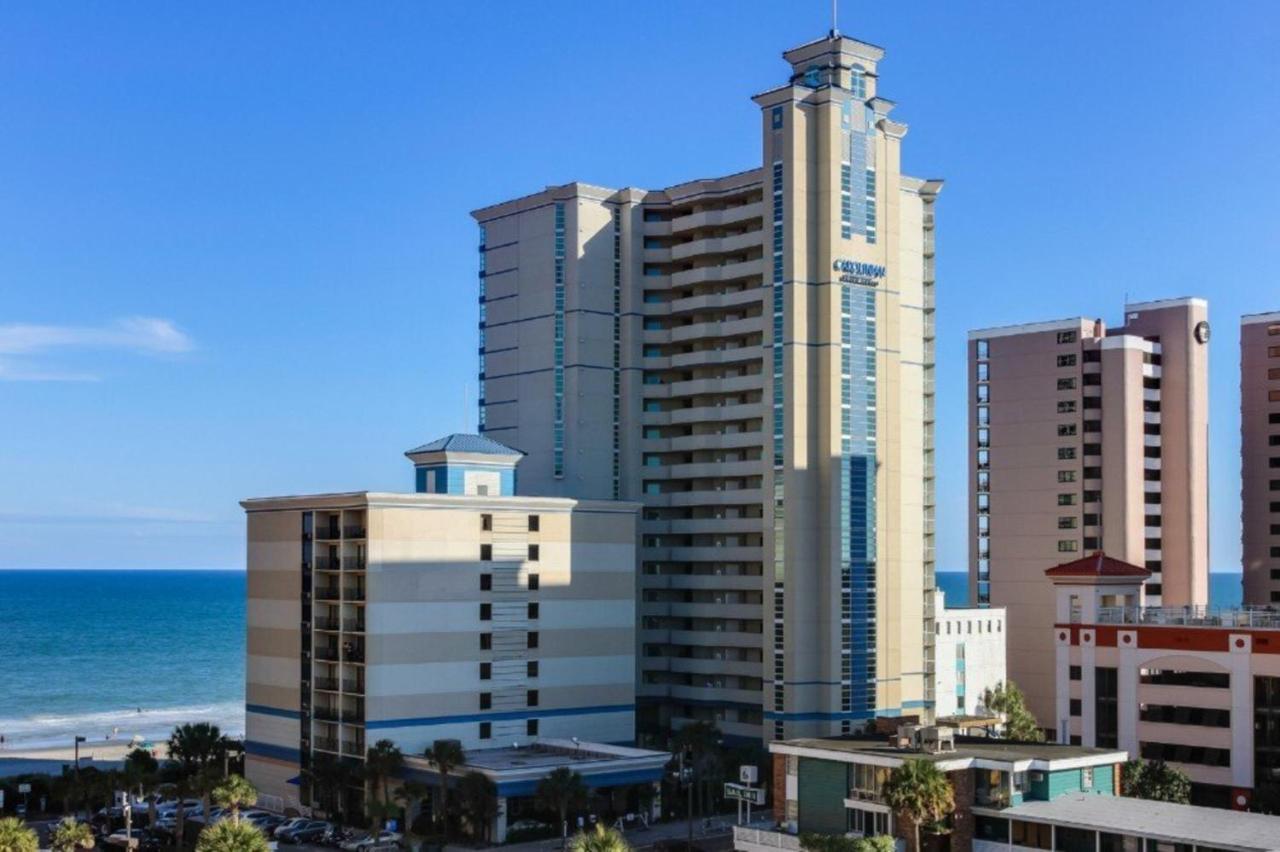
144 335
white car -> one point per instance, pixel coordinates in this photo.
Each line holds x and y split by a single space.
121 837
289 825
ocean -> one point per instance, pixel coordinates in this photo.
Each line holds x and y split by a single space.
1224 589
125 653
119 653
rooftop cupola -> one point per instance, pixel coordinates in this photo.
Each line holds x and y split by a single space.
465 464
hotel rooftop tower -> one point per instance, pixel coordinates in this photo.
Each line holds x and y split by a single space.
751 357
1084 438
1260 456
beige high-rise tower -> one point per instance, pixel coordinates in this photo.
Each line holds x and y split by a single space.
1083 439
751 357
1260 456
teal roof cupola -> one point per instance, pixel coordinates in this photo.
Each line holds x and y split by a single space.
465 464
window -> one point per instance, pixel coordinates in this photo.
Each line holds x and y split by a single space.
1066 360
1032 834
1066 430
533 582
1066 522
486 582
531 668
486 730
1066 476
776 118
984 415
486 641
486 553
984 437
1073 672
983 348
1091 519
1092 356
1091 543
1086 779
1092 380
531 698
1093 402
1273 351
1093 425
1066 453
531 728
486 700
1093 449
1066 406
1093 496
984 458
486 522
533 639
1067 384
1171 677
486 671
533 553
1075 707
534 523
984 393
1066 337
984 371
1067 546
486 612
1093 473
533 609
1066 499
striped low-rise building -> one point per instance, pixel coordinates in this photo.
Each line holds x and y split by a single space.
460 611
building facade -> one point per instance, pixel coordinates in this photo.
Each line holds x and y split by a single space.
460 611
1085 438
1195 687
1260 456
969 646
1019 797
751 357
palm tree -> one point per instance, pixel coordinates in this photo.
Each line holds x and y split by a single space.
447 755
326 777
204 782
919 791
701 741
16 837
410 794
195 745
478 797
141 770
228 836
562 791
601 840
235 793
70 835
382 763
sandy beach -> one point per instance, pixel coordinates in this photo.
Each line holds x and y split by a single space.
102 754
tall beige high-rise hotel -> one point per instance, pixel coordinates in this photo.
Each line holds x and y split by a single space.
751 357
1084 438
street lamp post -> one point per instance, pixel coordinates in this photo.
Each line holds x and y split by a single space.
79 739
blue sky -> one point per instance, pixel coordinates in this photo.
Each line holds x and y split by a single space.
236 260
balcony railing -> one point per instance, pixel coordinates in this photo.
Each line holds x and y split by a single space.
326 744
326 684
327 534
353 747
353 717
353 655
331 593
353 687
354 625
326 654
353 594
1188 616
327 714
323 623
744 838
353 532
324 563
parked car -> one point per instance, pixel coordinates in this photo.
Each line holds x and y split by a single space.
365 841
142 839
289 825
309 832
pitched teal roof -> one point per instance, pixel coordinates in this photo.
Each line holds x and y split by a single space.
460 443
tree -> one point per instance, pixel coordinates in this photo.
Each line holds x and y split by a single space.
70 835
1156 781
327 777
811 842
196 745
141 770
601 840
203 783
382 762
447 755
228 836
235 793
478 799
919 791
879 843
1007 700
562 791
700 741
16 837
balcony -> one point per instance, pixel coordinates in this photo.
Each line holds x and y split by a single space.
1187 616
353 625
353 532
326 714
328 593
353 747
353 717
323 623
326 684
330 654
353 687
324 563
353 594
326 744
330 534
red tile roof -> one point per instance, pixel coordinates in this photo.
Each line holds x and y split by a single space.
1097 564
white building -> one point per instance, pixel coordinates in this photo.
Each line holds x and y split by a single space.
970 646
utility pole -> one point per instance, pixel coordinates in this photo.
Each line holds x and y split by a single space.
79 739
